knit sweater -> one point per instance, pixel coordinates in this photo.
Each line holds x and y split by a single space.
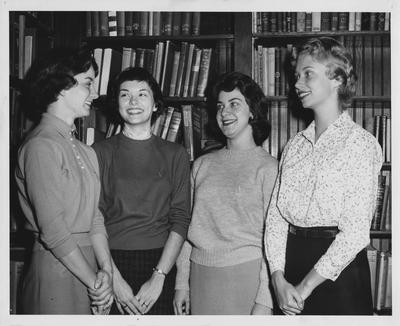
231 192
145 191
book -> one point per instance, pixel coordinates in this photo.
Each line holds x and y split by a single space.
181 68
334 21
176 23
167 121
358 21
387 303
271 71
325 21
144 23
343 24
194 75
186 22
157 23
352 22
376 220
377 66
155 127
88 24
381 276
160 55
112 23
128 23
104 23
21 48
174 126
283 126
167 67
166 18
387 21
204 71
196 23
121 23
126 58
273 26
95 23
308 22
174 73
16 271
29 44
368 66
386 66
301 22
135 23
372 255
274 136
200 123
111 65
316 21
98 57
188 130
386 194
188 67
150 23
278 69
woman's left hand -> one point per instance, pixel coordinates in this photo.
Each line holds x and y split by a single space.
150 291
259 309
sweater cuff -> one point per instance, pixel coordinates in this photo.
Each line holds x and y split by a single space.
64 248
180 229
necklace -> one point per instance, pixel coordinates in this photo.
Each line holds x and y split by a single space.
130 135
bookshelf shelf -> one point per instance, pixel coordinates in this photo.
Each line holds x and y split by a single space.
268 36
355 98
135 41
381 234
185 99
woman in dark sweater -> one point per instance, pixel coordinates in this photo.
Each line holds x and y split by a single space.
145 199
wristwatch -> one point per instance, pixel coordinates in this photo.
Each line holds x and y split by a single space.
159 271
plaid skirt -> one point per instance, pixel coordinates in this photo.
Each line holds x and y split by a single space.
136 267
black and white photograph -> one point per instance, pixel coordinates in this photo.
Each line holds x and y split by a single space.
199 162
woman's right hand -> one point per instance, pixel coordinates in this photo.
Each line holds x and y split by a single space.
289 300
182 302
124 298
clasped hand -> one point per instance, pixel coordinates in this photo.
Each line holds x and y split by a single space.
101 295
144 300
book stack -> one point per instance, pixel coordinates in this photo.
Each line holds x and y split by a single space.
142 23
305 22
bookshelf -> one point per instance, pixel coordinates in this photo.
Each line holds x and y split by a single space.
234 39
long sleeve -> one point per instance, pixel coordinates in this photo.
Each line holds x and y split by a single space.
264 296
358 207
41 166
276 227
180 202
183 267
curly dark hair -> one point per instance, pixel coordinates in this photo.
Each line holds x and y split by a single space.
138 74
339 61
52 73
254 97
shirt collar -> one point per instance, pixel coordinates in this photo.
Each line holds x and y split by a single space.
60 125
342 123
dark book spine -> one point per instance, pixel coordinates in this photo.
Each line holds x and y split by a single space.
196 23
104 23
128 23
343 21
265 20
135 23
334 21
273 22
88 24
325 21
144 23
120 23
186 23
176 23
157 23
167 23
308 22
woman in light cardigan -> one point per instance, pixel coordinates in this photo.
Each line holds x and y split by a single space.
231 188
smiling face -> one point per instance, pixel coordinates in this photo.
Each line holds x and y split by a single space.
136 102
313 86
78 99
233 114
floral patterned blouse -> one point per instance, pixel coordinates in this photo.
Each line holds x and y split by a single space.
332 182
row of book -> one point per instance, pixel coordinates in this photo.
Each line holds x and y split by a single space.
180 72
181 124
273 66
142 23
382 219
380 264
281 22
287 120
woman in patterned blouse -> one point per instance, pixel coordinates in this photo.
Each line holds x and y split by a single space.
324 199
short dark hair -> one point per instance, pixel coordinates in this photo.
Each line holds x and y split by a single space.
54 72
138 74
254 97
339 62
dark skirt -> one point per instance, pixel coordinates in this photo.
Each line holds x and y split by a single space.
349 294
136 267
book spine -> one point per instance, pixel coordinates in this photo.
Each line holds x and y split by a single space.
104 23
352 21
325 21
195 73
308 22
95 23
196 23
316 21
191 52
144 23
334 21
174 74
150 23
135 23
112 23
358 21
167 121
157 23
121 23
204 71
167 23
181 67
88 24
271 71
301 22
188 130
176 23
186 23
21 50
343 21
128 23
174 126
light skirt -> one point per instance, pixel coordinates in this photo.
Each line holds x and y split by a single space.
50 288
224 290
